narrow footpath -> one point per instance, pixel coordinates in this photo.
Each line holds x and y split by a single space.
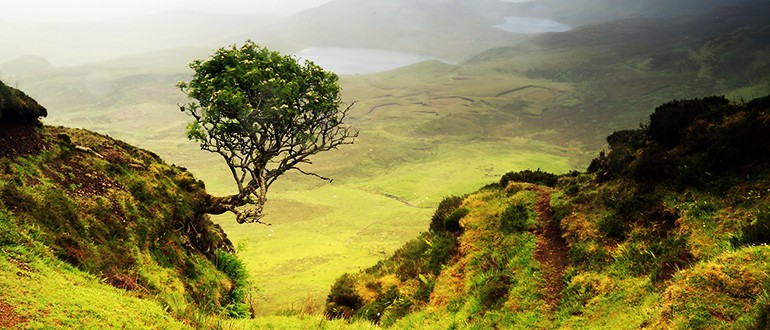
551 251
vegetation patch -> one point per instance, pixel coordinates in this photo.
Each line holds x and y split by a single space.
128 219
622 246
728 291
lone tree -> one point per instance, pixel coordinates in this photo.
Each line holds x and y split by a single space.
265 114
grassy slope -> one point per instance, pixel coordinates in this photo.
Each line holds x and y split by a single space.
651 243
427 131
46 292
94 232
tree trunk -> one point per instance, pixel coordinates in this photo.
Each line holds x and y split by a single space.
220 205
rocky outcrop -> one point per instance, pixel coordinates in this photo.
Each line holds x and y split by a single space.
18 108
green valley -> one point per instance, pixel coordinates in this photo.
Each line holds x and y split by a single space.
643 249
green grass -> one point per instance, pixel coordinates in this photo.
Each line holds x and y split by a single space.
50 293
295 322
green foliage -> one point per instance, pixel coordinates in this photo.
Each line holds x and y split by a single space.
137 229
265 114
442 248
537 177
231 266
612 226
688 142
730 291
17 107
660 260
669 122
376 309
343 300
452 222
757 232
446 211
515 218
589 255
9 231
492 290
5 95
409 258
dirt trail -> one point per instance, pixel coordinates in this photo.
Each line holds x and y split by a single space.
8 316
551 250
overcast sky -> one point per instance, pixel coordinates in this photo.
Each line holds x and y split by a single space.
76 10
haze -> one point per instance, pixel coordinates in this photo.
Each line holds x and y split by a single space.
69 33
42 11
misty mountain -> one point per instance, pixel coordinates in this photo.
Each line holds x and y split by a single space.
454 29
582 12
74 43
451 29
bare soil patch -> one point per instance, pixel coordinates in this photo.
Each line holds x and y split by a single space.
551 251
18 140
8 316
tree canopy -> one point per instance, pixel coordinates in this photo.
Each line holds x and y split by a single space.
265 113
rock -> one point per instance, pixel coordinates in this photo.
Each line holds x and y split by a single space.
17 107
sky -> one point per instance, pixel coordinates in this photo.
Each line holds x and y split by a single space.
38 11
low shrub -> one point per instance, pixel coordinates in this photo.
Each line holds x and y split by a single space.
537 177
669 122
375 310
590 255
757 232
343 300
444 210
493 294
409 259
233 267
452 222
515 218
9 231
442 249
727 292
612 226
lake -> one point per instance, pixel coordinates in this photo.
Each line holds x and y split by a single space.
345 61
531 25
359 60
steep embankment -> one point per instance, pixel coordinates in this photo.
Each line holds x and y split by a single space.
666 230
95 233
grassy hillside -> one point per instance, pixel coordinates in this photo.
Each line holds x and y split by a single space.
668 229
427 131
97 233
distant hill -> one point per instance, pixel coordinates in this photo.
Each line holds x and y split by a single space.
585 12
668 229
454 29
620 69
